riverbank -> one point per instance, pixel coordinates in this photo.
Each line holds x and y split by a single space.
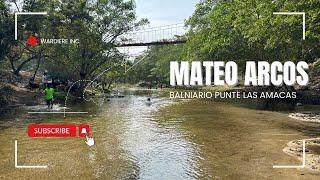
310 116
14 96
14 91
312 152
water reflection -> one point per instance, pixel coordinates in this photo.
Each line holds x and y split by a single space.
160 152
130 143
166 140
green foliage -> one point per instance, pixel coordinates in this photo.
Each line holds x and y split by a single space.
97 24
6 29
243 30
154 65
240 30
237 30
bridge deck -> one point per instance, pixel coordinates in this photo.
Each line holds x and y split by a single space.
152 43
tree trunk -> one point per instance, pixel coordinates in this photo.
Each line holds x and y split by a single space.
110 83
38 65
82 84
19 68
16 72
12 65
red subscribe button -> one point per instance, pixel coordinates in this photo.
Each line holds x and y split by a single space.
44 130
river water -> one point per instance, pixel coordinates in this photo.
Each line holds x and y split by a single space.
169 139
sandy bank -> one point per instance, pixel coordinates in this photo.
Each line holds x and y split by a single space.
306 116
295 148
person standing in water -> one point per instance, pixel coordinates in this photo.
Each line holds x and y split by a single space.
149 101
49 95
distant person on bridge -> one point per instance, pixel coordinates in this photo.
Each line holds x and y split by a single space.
49 95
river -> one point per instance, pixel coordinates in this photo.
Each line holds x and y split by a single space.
170 139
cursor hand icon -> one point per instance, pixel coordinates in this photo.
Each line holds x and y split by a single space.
89 141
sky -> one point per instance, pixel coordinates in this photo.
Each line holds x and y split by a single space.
160 13
165 12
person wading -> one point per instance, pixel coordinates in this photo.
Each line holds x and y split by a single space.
49 94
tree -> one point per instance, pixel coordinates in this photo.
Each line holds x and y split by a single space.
247 30
153 65
6 29
97 24
19 54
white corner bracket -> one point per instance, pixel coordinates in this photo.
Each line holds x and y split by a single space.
303 159
16 159
16 20
303 20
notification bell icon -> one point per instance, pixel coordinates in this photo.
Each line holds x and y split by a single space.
83 131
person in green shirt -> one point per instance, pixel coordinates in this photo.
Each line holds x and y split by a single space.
49 95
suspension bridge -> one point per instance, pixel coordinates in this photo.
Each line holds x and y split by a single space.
148 36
